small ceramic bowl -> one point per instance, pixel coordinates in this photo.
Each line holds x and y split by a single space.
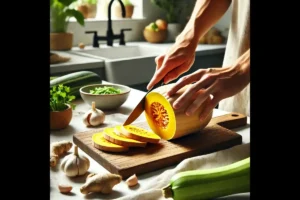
105 101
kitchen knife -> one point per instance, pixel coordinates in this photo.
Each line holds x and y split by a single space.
137 111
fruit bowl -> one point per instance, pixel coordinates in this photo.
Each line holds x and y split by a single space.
155 36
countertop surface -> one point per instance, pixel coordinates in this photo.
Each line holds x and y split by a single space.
77 62
112 118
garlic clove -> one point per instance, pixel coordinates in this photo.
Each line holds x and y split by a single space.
63 188
70 166
97 118
83 165
86 118
94 116
132 181
75 164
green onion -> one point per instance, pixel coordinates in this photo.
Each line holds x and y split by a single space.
105 90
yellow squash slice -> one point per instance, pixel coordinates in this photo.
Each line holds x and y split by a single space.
117 130
101 143
167 122
111 136
138 133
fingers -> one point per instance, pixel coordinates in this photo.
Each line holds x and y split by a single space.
191 92
213 102
159 60
168 65
186 80
202 95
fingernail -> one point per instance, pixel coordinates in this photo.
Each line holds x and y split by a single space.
188 113
176 105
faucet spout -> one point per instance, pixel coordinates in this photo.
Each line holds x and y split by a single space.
109 26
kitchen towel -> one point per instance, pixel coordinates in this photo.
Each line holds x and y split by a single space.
152 189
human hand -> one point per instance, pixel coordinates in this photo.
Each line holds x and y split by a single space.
214 84
177 60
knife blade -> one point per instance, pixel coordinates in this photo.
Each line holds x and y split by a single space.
137 111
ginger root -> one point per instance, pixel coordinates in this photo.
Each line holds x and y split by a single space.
103 183
57 149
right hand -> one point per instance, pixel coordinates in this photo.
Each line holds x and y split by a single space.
170 65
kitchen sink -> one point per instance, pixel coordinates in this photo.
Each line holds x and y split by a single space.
122 52
128 65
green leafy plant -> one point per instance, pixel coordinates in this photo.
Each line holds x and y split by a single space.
59 98
60 13
127 3
173 8
87 1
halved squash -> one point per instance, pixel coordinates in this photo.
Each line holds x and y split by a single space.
110 135
101 143
167 122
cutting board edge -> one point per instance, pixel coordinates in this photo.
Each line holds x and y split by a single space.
169 161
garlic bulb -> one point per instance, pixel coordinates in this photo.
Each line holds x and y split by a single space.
93 117
75 164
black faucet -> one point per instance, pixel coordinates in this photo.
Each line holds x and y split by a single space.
110 36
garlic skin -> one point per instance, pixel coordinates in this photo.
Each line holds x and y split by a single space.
94 116
75 164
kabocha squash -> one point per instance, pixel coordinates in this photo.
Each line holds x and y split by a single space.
138 133
167 122
210 183
76 80
101 143
110 135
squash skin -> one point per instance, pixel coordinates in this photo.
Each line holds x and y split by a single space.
179 123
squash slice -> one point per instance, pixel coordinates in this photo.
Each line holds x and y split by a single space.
138 133
101 143
110 135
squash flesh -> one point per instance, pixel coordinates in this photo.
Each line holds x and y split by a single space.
101 143
160 115
139 133
111 136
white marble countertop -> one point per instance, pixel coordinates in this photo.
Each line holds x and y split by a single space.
112 118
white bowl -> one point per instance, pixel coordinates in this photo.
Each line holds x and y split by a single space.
105 101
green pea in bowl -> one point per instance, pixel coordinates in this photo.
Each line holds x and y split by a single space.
106 96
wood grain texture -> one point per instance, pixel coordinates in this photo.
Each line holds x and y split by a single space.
216 136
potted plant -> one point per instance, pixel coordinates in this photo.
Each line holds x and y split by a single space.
129 8
88 8
60 13
173 10
60 107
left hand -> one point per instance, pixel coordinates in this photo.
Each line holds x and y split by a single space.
213 83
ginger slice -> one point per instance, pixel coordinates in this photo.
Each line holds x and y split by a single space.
101 143
138 133
111 136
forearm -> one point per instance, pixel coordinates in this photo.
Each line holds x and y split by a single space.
243 64
205 15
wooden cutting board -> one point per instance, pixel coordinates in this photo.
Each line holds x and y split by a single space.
216 136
